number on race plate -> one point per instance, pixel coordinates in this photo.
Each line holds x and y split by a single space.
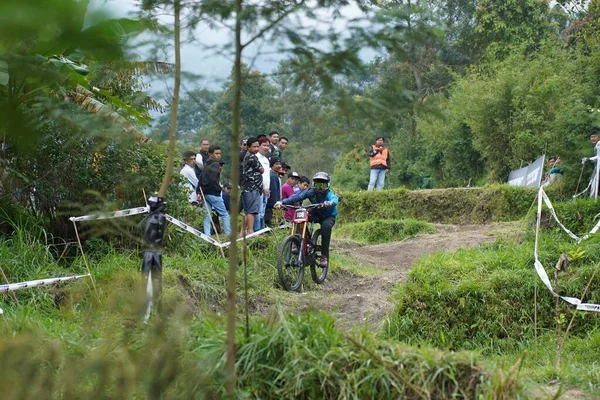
300 214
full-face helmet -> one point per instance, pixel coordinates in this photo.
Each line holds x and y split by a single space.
321 181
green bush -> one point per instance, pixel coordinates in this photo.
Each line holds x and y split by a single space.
482 298
450 206
383 231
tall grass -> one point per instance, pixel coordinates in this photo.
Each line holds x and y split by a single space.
482 298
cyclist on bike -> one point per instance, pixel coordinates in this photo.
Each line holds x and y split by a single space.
320 193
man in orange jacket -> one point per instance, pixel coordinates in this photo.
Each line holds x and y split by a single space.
379 162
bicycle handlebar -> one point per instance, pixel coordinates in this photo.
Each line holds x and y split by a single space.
308 206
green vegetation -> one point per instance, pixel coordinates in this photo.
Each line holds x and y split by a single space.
383 230
449 206
465 92
94 344
482 299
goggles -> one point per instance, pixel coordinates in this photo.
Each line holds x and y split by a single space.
321 185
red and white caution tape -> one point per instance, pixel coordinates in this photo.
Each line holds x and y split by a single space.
253 234
210 240
143 210
191 230
115 214
539 268
40 282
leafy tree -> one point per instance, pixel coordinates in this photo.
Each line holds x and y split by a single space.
195 113
504 25
256 109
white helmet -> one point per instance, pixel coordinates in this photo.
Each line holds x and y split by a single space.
321 177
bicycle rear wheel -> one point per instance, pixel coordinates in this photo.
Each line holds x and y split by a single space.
290 264
318 273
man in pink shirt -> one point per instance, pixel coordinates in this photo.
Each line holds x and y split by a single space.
287 190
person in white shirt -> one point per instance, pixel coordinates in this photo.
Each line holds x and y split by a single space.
191 180
595 139
263 151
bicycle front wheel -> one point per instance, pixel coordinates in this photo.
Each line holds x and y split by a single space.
318 273
290 264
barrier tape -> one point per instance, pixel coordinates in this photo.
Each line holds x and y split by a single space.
191 230
253 234
553 212
115 214
539 268
40 282
142 210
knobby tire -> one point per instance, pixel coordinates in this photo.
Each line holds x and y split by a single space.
289 271
318 273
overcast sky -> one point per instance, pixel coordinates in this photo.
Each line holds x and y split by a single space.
213 68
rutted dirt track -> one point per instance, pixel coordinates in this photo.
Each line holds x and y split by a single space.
355 299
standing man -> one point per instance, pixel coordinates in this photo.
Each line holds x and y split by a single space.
275 189
595 140
251 186
211 188
287 190
273 145
189 159
283 144
227 196
379 162
201 158
263 151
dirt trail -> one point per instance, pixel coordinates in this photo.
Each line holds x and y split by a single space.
354 299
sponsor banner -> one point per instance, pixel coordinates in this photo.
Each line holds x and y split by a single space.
530 176
115 214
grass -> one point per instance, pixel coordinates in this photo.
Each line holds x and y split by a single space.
481 299
474 305
72 343
383 231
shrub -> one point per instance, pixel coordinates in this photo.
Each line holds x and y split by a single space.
482 298
383 231
455 206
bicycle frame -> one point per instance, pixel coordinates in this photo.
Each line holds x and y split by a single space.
300 225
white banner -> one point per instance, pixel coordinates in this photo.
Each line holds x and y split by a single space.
115 214
539 268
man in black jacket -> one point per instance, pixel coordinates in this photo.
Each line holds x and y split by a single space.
211 188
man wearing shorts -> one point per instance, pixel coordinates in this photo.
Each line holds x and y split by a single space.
252 184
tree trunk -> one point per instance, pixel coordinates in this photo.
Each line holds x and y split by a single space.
234 145
173 126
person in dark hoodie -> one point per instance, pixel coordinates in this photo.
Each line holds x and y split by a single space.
274 188
211 188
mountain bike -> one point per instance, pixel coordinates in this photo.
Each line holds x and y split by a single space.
300 249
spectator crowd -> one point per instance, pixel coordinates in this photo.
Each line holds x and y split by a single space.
264 180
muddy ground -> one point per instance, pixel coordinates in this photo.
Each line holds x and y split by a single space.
355 300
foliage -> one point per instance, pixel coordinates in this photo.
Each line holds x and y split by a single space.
383 230
482 298
504 25
195 111
457 205
74 341
514 118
